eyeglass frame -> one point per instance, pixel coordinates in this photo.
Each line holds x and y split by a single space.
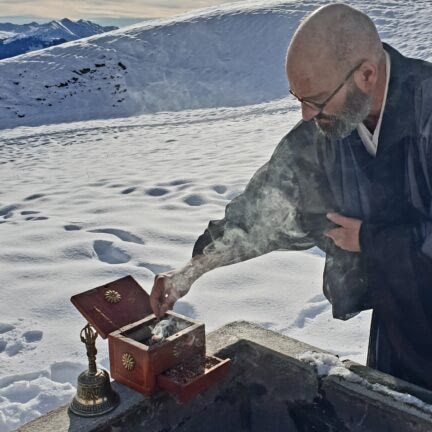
320 106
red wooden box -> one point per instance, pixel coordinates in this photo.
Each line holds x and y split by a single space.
185 386
121 311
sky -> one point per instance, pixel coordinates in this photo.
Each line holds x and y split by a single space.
108 12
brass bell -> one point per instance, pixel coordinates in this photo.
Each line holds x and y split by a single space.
94 396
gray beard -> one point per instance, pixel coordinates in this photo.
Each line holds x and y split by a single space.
356 109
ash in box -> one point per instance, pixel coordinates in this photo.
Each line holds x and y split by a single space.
156 332
186 372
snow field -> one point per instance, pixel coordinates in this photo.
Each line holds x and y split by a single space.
86 203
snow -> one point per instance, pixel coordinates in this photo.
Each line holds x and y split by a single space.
6 34
327 365
92 192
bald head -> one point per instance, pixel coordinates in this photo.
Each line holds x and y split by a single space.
336 68
335 34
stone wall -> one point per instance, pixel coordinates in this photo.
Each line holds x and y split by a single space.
268 389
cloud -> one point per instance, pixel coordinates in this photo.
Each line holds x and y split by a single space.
101 8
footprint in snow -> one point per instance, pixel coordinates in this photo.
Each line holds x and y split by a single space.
220 189
155 192
108 253
121 234
12 342
72 227
7 211
12 349
315 307
179 182
194 200
34 197
128 190
29 337
5 328
33 336
29 212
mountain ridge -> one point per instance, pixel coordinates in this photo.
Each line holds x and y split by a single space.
16 39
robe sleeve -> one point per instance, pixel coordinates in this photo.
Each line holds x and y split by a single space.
283 206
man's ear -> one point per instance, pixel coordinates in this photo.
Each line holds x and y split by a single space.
367 76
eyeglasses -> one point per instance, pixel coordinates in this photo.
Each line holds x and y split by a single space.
320 106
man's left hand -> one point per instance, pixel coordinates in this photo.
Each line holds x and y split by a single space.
347 236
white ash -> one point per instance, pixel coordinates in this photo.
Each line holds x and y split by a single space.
167 327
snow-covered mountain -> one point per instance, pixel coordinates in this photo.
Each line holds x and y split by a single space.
224 56
18 39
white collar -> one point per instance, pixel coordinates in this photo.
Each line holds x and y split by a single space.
370 141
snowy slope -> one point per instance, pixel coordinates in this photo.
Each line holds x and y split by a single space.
87 202
17 39
227 56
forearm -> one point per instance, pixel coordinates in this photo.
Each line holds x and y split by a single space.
209 260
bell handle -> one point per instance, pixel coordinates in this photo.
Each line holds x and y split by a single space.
88 337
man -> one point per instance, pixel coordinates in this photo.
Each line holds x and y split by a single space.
354 177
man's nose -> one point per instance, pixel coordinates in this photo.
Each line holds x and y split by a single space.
308 113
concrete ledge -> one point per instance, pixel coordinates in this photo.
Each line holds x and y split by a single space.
268 388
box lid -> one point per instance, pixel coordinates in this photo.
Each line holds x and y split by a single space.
113 305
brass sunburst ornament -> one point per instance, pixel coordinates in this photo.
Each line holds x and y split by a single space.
112 296
128 361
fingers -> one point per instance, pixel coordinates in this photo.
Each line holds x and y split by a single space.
162 297
338 219
343 221
157 295
168 304
345 238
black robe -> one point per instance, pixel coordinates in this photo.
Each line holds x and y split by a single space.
285 203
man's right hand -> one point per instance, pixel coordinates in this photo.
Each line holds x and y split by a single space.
169 287
165 292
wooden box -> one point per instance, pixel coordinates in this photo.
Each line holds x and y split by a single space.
186 380
121 312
